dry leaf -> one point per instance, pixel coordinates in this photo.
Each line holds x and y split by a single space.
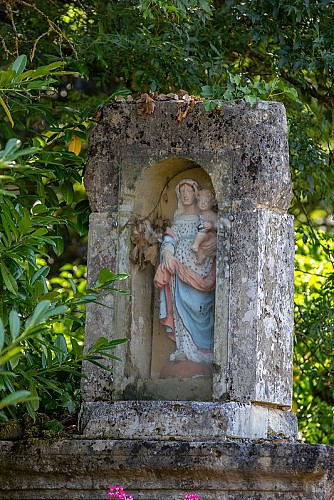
182 114
75 144
158 222
172 96
151 254
146 237
98 115
179 116
182 93
120 98
146 105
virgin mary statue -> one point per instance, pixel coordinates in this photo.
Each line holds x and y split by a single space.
186 286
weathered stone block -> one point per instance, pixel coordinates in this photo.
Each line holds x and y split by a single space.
261 307
150 470
177 420
256 138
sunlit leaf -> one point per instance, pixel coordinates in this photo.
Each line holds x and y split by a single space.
75 144
5 107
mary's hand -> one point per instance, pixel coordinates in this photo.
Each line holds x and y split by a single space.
169 262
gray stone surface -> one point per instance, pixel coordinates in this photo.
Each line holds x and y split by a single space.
102 252
261 307
177 420
255 139
152 470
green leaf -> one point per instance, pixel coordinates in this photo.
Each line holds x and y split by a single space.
19 64
77 348
41 84
8 217
10 354
206 91
15 398
307 4
70 406
291 93
33 391
11 147
14 324
42 272
9 280
41 71
103 344
209 105
106 276
7 111
205 6
31 410
250 99
67 192
61 346
26 152
40 232
2 334
42 312
58 245
228 94
14 361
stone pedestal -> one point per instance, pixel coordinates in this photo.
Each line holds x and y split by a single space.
155 470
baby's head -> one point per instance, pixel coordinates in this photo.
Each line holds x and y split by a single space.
206 199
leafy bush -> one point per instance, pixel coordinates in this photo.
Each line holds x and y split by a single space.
41 320
41 368
38 366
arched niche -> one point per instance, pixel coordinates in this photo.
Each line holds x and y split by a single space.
153 197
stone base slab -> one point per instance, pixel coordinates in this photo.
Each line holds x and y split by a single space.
84 469
192 421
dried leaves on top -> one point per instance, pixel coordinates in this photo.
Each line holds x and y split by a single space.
146 103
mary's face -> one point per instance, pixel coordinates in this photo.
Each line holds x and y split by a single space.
187 195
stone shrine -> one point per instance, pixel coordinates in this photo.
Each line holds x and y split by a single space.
136 161
186 410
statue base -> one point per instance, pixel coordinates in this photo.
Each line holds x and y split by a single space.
184 420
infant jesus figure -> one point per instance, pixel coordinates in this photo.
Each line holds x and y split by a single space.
203 243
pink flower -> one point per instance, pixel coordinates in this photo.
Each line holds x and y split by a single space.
118 493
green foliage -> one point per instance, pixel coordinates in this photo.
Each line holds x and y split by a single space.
314 358
239 88
41 368
41 324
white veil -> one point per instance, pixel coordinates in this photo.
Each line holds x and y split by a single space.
190 182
